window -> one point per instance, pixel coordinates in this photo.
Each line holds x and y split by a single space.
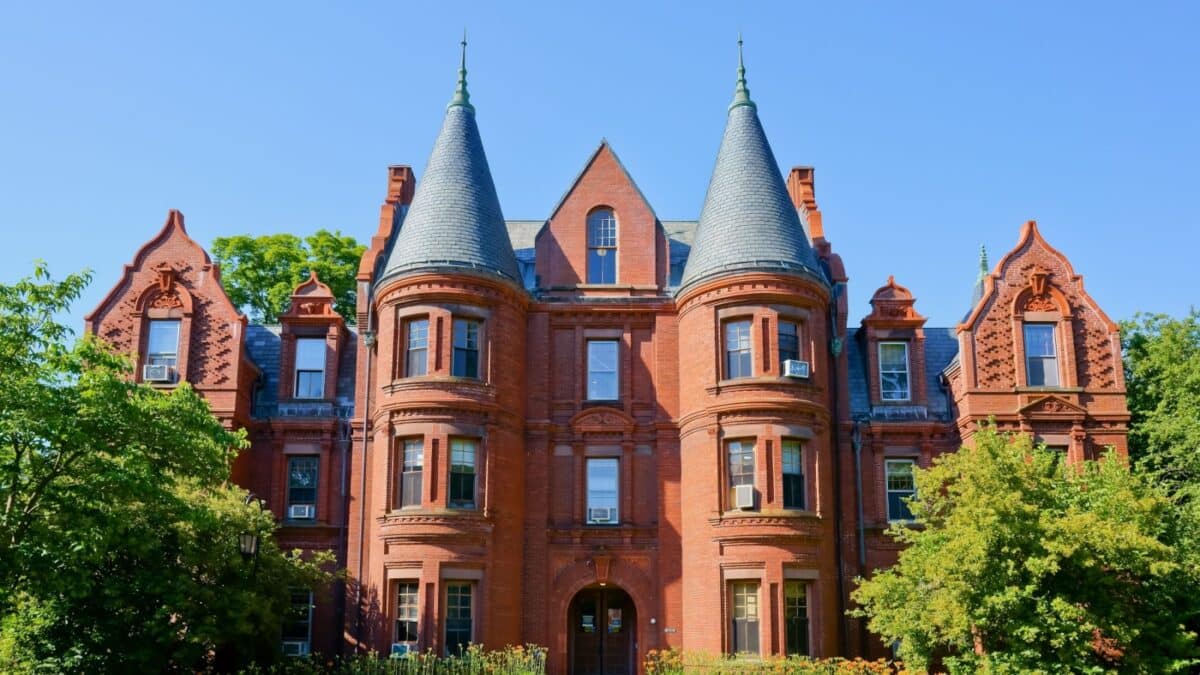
741 466
466 348
900 486
411 465
602 247
744 638
737 349
602 491
893 371
602 370
162 346
406 612
462 472
1041 355
416 356
310 368
789 341
302 487
793 475
795 617
458 616
297 623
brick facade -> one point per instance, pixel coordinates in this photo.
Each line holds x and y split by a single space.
499 526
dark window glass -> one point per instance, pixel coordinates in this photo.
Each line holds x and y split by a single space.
1041 355
406 612
302 480
793 475
737 349
745 618
795 617
458 617
466 348
741 466
602 247
299 618
416 356
411 466
900 486
602 370
893 371
310 368
462 472
789 341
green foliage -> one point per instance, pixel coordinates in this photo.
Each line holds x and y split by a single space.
519 660
1162 376
1017 563
673 662
260 273
118 535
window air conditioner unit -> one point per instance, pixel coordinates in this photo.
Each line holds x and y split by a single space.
302 512
295 648
794 368
156 373
604 515
743 496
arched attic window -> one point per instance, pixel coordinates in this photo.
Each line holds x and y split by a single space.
602 246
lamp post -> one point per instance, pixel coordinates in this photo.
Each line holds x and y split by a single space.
248 544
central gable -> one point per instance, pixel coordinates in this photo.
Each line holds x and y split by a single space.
640 244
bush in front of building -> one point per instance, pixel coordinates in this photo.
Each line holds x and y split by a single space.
674 662
475 660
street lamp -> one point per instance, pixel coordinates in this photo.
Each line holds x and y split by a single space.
248 543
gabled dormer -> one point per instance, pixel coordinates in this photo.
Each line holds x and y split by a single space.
603 236
170 313
312 337
894 344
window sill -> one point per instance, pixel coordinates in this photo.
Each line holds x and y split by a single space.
1049 389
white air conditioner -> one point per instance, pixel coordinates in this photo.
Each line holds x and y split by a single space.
743 496
295 648
794 368
156 373
302 512
601 515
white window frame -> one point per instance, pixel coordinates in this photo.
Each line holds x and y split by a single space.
907 372
615 462
593 392
460 445
887 464
416 607
446 612
170 359
1052 358
299 367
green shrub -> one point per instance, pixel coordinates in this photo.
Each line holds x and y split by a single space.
673 662
519 660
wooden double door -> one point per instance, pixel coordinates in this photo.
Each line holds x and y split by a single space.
603 632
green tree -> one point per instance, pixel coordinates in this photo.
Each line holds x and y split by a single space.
1017 563
119 529
1162 377
261 272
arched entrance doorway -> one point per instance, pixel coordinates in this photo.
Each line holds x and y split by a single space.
602 632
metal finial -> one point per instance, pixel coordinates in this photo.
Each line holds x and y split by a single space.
983 261
741 95
461 97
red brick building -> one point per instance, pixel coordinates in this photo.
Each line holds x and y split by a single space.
603 432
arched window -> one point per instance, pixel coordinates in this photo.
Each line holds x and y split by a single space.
602 247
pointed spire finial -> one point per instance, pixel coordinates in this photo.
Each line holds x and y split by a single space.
461 97
741 95
983 262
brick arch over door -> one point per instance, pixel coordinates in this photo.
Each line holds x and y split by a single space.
582 574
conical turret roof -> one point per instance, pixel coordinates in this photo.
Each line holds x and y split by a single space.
748 221
455 221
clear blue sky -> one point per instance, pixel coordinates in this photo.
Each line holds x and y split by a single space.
934 127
